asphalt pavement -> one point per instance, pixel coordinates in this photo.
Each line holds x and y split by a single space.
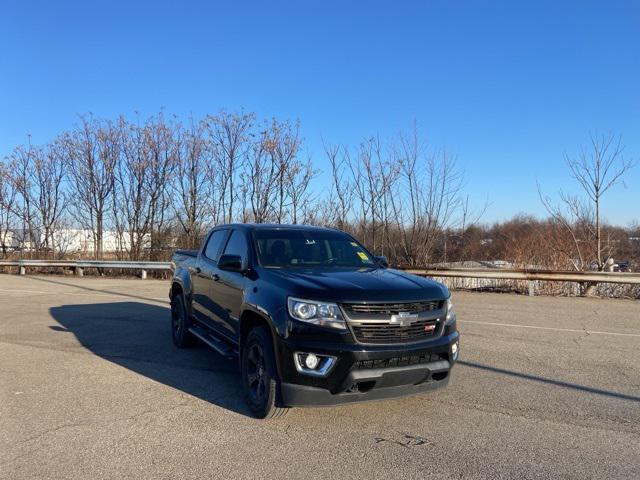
92 387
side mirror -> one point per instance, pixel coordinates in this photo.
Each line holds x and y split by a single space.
382 261
231 263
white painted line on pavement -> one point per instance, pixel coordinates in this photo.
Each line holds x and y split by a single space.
551 328
13 290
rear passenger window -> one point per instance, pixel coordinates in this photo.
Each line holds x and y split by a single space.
212 250
237 245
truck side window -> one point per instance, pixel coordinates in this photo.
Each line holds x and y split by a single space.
212 250
237 245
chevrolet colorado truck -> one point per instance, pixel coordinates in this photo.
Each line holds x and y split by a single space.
313 317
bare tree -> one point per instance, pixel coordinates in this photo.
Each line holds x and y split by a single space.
142 177
132 199
260 179
48 177
298 178
596 170
35 181
372 178
192 190
8 196
266 179
229 135
428 200
283 147
92 152
341 196
159 140
20 167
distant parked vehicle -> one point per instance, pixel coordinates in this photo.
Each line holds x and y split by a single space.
313 317
621 267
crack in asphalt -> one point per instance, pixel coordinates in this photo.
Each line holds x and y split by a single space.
149 411
406 441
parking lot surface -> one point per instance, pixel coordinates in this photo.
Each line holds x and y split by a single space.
91 386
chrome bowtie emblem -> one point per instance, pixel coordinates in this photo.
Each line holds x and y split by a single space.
403 318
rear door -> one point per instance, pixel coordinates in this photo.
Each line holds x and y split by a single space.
228 290
204 308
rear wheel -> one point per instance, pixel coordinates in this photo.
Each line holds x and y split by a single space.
180 322
259 375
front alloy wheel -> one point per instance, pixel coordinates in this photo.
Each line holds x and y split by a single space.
256 376
259 375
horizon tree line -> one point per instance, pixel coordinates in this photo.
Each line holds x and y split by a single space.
161 183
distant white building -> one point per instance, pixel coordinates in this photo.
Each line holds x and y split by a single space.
16 239
80 240
69 240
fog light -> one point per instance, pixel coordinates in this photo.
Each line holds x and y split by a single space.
454 351
311 361
312 364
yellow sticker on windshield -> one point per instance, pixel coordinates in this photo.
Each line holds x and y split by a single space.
363 256
354 244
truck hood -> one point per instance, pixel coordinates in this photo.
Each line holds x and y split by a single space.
363 285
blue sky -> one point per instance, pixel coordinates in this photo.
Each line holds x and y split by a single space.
508 87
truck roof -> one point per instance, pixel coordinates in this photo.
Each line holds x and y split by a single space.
277 226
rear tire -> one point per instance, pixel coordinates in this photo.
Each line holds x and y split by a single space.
180 323
260 376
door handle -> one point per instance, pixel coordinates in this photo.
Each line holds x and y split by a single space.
215 277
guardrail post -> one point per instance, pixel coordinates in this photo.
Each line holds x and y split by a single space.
23 270
143 275
80 271
589 289
532 288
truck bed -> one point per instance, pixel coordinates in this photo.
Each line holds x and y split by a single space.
184 258
186 253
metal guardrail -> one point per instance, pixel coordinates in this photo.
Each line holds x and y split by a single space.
547 275
489 273
79 265
530 275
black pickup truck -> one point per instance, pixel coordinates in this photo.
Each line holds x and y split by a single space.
313 317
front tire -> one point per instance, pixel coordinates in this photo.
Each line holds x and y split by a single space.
259 375
180 323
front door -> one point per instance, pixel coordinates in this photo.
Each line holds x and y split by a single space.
228 290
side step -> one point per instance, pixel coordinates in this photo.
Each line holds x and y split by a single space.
214 341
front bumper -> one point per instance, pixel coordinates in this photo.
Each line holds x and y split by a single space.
366 372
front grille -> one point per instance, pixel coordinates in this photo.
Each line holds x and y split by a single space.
402 361
389 333
393 308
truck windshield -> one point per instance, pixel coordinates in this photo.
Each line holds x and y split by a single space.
280 248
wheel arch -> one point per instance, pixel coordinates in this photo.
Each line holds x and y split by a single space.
250 319
179 288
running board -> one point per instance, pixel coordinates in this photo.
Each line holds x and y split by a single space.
215 342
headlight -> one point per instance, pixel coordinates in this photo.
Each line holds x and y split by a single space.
318 313
451 312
